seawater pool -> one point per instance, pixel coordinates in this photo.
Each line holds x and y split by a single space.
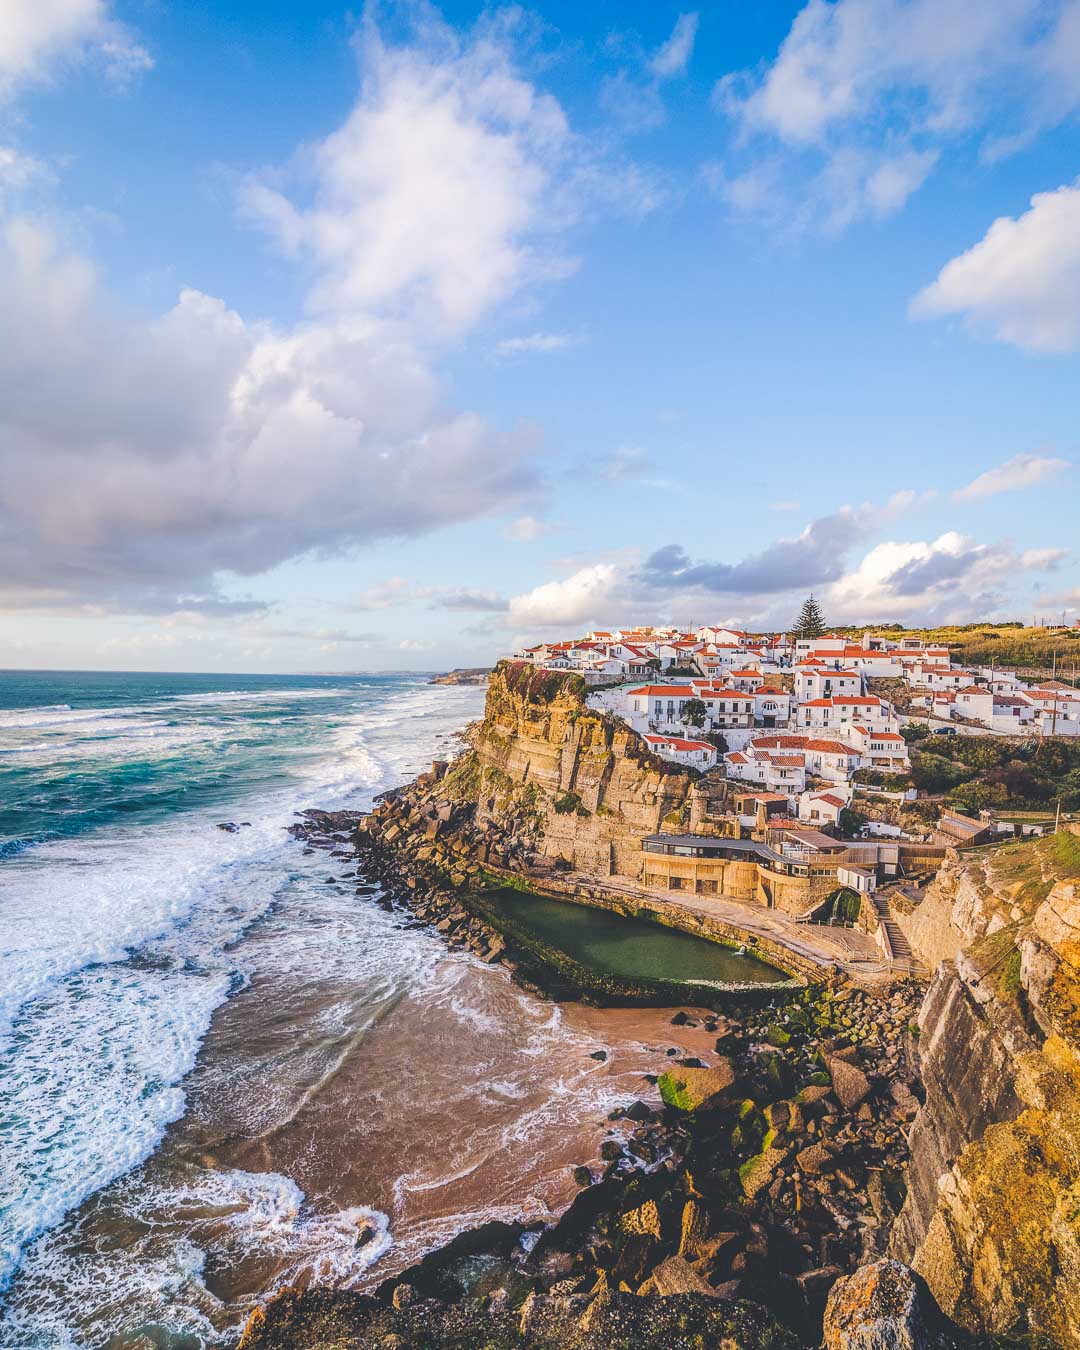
628 948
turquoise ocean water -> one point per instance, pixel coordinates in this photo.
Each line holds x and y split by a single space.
127 919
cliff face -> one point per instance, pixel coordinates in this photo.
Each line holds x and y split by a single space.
992 1218
562 780
979 893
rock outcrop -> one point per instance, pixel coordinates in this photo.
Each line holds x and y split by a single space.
566 780
886 1306
992 1218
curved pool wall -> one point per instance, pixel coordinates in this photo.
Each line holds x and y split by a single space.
612 954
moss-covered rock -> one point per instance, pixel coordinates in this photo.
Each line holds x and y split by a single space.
688 1089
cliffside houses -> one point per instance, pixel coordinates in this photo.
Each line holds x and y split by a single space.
681 687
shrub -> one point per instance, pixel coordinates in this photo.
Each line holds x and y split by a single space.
567 803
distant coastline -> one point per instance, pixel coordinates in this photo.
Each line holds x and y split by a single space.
463 675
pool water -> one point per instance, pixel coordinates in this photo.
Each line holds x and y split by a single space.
633 949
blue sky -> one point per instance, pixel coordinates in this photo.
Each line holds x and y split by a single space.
391 338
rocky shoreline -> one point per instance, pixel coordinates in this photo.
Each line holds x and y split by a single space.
844 1158
742 1187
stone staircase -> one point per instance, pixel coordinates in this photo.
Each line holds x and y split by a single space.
901 948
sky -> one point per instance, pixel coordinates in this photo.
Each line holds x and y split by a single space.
398 337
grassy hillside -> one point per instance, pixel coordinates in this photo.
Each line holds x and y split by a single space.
1007 645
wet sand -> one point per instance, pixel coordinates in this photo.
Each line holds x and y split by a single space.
475 1101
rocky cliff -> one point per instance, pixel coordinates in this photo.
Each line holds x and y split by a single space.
992 1218
555 779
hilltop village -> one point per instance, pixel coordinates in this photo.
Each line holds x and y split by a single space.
810 720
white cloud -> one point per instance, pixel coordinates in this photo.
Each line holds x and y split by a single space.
1021 281
952 577
387 594
577 598
1022 471
864 95
533 343
140 457
18 170
37 35
438 195
673 57
527 529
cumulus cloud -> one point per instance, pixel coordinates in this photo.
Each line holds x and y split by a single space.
36 36
950 577
139 457
812 558
1022 471
573 600
1021 282
145 458
439 194
863 95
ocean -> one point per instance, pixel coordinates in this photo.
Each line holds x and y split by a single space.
225 1068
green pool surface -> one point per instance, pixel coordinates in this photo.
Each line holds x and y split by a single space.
633 949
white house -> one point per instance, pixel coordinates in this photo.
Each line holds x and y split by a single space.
818 681
1013 715
694 754
778 770
734 637
827 714
822 808
885 750
745 680
772 707
660 703
827 758
1057 708
975 701
728 708
827 645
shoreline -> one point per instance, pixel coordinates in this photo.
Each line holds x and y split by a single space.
776 1099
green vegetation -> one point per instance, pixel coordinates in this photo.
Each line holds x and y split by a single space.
850 821
1029 870
568 803
843 905
811 621
462 781
1010 978
978 772
694 712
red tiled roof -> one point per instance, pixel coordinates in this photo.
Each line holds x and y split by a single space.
677 743
664 691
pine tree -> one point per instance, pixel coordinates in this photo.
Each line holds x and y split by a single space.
811 621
